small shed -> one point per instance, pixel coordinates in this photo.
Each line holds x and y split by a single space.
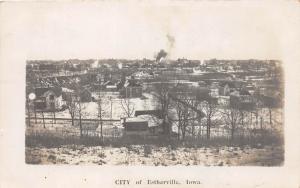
135 124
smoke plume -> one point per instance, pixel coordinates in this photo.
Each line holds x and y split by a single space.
161 54
171 41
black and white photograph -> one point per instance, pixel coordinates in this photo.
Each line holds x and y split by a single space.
157 111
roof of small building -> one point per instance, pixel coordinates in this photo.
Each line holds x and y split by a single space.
134 119
109 83
216 75
64 89
156 113
153 121
132 83
150 119
244 92
41 91
231 84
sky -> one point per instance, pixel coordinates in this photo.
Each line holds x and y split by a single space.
139 29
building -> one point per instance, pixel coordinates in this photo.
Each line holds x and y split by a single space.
214 90
201 93
142 125
48 99
224 100
157 113
131 89
242 100
142 75
85 95
135 126
227 87
110 86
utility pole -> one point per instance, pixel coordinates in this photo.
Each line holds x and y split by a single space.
100 115
43 119
54 111
31 97
28 111
34 113
110 107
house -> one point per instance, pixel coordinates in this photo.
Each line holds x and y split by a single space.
201 93
242 99
227 87
82 94
140 75
202 84
67 94
251 88
224 100
48 98
225 90
110 86
131 89
85 95
214 89
95 87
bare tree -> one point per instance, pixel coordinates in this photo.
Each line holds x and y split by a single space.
185 107
162 91
258 107
75 108
79 109
210 108
72 107
127 106
270 103
181 112
28 111
54 118
186 117
199 115
231 116
52 109
43 119
101 112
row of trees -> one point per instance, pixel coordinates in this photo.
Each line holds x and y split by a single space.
178 106
191 111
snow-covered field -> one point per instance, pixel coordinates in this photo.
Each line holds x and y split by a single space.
157 156
112 107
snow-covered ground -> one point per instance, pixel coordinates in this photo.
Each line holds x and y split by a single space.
157 156
111 106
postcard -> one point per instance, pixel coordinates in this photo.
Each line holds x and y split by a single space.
150 94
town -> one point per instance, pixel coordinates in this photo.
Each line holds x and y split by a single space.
160 102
